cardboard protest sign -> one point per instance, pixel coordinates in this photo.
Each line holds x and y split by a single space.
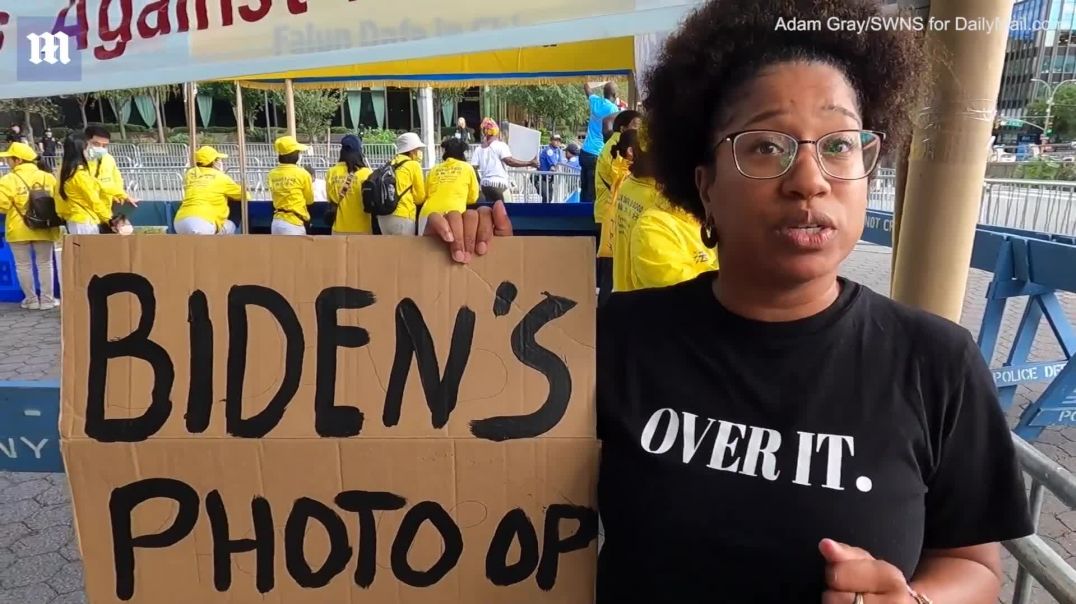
341 419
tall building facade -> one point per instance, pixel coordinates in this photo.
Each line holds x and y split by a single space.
1041 53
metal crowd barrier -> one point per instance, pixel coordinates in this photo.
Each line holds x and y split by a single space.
1038 561
1044 206
527 186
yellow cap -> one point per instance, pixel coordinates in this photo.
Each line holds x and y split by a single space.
207 155
20 151
287 145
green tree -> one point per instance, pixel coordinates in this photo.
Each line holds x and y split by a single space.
253 100
555 106
83 100
314 110
118 99
159 95
41 107
1063 115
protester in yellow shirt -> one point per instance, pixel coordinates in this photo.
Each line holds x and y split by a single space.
410 186
344 187
292 189
102 166
451 186
609 174
666 248
29 246
204 210
79 199
653 244
603 181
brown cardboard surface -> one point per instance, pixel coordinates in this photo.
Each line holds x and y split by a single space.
477 472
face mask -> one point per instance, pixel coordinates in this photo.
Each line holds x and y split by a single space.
125 229
95 153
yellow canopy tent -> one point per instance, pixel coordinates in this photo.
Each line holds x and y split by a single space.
553 63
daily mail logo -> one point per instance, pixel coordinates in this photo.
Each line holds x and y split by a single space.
50 48
45 53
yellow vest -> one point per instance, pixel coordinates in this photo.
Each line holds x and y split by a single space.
350 215
14 199
292 189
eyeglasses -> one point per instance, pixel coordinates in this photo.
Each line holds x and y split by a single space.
844 154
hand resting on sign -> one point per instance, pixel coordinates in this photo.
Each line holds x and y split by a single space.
469 234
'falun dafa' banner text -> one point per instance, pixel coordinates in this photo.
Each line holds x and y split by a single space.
52 47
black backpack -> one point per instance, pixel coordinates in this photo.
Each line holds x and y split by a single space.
40 208
379 197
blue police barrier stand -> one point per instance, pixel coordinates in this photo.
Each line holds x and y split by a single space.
29 426
1028 265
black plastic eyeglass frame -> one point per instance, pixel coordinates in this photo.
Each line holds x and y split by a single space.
731 138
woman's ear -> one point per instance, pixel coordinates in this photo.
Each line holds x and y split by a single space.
704 178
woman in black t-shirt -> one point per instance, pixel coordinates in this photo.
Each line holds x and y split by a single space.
775 433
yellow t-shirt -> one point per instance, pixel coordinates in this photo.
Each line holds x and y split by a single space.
603 181
636 196
450 187
206 194
666 248
620 170
409 178
108 174
82 200
350 215
15 197
292 189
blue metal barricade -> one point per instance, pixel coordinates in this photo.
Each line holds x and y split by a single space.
1025 265
29 426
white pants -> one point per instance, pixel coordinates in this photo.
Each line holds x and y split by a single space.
283 227
396 225
198 226
83 228
24 268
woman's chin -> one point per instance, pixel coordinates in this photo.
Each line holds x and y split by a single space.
804 269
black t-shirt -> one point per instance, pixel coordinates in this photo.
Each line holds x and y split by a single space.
48 146
731 447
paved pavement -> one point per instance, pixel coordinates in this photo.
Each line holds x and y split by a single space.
39 561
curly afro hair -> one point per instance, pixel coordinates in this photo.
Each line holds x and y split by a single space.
725 43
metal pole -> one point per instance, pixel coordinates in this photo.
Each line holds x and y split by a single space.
192 119
947 164
289 101
1022 586
242 131
1046 122
425 96
268 121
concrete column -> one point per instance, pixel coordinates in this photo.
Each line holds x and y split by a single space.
947 162
289 101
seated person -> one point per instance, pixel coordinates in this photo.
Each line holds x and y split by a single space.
206 192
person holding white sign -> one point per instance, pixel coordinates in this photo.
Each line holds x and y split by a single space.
773 432
491 160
